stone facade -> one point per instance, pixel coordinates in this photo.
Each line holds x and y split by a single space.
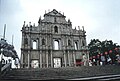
53 43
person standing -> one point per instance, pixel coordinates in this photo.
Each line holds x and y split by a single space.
103 60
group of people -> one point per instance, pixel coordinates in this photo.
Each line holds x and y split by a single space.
104 60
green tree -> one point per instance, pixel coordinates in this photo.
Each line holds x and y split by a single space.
106 48
94 47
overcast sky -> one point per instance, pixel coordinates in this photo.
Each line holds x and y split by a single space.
101 18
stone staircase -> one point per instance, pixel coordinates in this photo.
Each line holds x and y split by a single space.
60 73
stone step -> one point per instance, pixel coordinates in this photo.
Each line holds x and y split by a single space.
61 73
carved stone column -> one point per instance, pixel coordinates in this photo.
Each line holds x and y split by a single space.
51 59
69 58
74 58
47 58
28 59
40 59
65 59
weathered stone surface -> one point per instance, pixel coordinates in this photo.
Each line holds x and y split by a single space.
54 37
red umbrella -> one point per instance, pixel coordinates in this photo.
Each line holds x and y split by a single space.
116 49
98 55
110 51
106 53
93 56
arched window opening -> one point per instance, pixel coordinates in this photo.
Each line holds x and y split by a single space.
56 45
43 41
56 29
76 46
34 44
69 43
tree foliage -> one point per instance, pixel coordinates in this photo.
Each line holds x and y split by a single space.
107 47
7 49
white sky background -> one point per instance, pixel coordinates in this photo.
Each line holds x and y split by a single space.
101 18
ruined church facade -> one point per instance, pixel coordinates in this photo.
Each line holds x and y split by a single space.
53 43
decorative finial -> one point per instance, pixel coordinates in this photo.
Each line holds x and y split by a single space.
79 27
83 28
29 23
68 20
75 27
24 24
39 20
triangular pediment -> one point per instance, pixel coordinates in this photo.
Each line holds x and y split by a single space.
54 12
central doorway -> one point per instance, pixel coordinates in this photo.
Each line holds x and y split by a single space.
57 62
35 64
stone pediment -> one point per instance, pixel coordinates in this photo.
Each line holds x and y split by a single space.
54 12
